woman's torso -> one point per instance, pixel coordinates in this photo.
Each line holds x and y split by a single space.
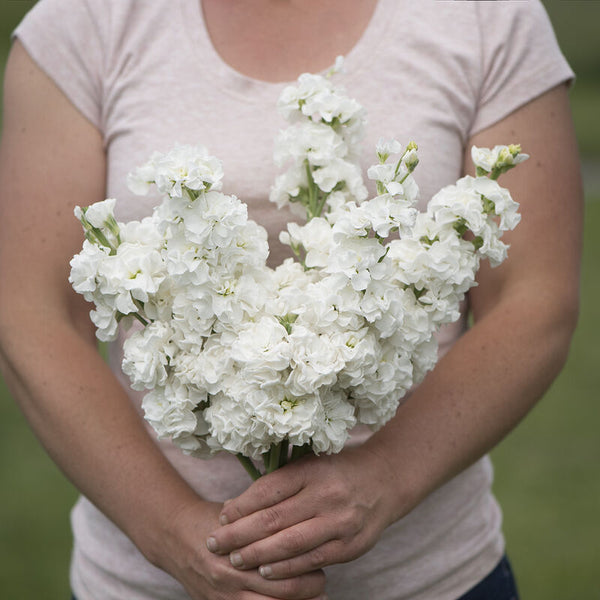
150 77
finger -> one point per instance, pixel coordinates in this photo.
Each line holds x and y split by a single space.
291 542
254 596
304 587
260 525
266 491
220 576
332 552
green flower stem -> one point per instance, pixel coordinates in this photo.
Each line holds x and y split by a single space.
97 237
140 319
249 466
312 195
301 259
113 227
321 205
272 462
300 451
283 455
405 177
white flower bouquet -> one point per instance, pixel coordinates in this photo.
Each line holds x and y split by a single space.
272 363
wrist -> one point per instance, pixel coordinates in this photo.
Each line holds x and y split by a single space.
164 523
400 489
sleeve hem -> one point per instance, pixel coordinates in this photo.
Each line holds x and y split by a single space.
544 82
85 107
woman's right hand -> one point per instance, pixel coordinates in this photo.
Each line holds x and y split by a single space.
207 576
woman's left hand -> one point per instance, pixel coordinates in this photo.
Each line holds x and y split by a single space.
309 514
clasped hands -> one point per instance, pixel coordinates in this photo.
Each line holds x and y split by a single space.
310 514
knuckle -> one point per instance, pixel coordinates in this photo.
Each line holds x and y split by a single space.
346 551
318 558
250 556
233 513
263 492
216 574
285 569
352 522
291 588
312 584
295 542
336 491
270 519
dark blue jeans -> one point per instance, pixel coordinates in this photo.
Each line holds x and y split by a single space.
498 585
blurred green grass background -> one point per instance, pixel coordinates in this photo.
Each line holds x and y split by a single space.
547 470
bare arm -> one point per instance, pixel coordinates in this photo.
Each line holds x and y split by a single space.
52 158
333 509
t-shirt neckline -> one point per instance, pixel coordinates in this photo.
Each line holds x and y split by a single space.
233 81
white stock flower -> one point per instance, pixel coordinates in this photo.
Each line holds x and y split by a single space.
503 204
398 182
145 232
351 220
335 420
353 257
452 203
484 158
316 237
294 97
173 412
212 220
261 350
338 171
377 396
360 352
314 359
206 369
315 142
249 419
141 179
104 317
488 159
287 187
386 148
133 274
146 356
316 98
99 213
291 417
239 356
84 269
381 299
389 213
182 167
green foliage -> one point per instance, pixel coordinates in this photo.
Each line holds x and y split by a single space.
576 26
35 500
547 469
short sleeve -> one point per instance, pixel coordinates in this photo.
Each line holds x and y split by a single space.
521 58
63 38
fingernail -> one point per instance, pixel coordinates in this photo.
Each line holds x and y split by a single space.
236 559
265 571
211 544
223 520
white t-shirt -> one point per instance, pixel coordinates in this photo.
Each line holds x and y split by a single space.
146 75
